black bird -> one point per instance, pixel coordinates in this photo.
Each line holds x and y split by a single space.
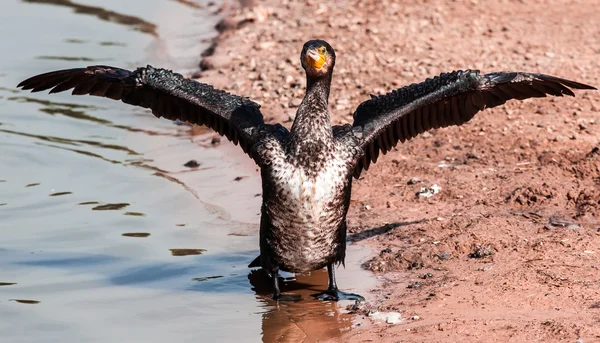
307 171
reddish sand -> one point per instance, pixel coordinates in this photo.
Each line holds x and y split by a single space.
509 249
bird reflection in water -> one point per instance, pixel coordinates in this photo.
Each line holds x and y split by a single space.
303 319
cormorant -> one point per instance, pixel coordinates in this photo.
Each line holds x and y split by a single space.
307 171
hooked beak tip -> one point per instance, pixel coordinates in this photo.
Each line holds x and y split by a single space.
315 56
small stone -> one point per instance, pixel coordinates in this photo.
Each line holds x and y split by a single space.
481 252
415 317
393 318
428 192
388 317
559 221
413 180
295 102
266 45
416 284
192 164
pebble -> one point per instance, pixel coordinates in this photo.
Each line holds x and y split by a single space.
192 164
295 102
481 252
413 180
428 192
387 317
472 156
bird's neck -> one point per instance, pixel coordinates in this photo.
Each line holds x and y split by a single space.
319 86
312 124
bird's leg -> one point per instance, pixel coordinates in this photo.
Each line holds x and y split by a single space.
332 284
276 291
332 292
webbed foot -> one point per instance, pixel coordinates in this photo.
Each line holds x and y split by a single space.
335 295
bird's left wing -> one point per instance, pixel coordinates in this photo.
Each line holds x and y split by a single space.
167 94
448 99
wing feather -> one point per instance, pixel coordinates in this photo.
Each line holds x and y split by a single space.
165 93
449 99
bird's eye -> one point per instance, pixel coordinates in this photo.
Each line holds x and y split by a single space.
323 50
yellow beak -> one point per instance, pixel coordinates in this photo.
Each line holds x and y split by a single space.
315 59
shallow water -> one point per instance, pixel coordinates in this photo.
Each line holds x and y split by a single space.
106 236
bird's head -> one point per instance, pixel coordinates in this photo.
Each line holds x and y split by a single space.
318 58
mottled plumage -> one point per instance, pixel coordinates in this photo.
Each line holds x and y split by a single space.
449 99
307 171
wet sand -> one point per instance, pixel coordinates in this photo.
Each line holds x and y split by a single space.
508 250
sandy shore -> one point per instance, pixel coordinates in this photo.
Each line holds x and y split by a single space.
509 250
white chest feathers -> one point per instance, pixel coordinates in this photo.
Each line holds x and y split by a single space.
310 198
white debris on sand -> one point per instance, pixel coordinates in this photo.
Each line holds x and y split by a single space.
387 317
429 191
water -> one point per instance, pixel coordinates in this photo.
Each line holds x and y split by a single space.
96 205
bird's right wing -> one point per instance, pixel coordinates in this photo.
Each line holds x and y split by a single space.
167 94
448 99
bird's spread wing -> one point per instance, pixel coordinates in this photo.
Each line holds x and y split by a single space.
448 99
167 94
